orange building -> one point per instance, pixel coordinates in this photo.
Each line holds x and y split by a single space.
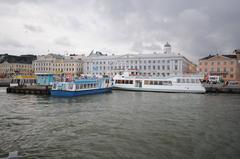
227 66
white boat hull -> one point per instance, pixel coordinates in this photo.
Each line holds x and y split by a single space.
168 90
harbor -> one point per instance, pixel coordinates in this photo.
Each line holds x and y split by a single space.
119 124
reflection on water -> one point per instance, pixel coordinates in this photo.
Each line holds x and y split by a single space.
121 125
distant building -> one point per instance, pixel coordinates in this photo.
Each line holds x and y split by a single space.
156 64
227 66
58 64
16 65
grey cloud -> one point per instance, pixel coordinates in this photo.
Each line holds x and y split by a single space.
33 28
140 46
63 41
193 27
8 42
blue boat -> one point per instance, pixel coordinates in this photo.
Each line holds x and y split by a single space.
81 87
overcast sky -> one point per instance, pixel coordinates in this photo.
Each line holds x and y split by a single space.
195 28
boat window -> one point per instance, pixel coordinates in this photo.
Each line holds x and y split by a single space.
107 81
70 86
187 81
192 80
160 83
131 81
151 82
178 80
155 82
54 86
81 86
167 82
146 82
183 80
77 86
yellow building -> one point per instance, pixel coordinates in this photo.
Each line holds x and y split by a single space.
16 65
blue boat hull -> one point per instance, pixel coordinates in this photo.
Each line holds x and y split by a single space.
62 93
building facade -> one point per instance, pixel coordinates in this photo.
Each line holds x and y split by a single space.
227 66
16 65
156 64
58 64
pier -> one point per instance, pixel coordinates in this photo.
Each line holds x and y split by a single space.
39 90
221 88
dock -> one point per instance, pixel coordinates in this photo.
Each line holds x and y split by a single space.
221 88
39 90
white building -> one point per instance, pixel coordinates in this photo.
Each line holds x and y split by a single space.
158 64
58 64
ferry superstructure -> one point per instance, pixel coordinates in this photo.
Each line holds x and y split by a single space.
176 84
81 87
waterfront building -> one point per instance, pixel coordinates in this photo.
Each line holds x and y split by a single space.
227 66
59 65
155 64
11 65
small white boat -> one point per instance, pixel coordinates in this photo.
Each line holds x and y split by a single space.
176 84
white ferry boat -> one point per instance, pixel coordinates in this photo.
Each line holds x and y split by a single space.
177 84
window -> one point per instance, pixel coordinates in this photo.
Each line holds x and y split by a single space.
231 69
231 75
200 63
206 63
225 69
218 69
219 63
176 67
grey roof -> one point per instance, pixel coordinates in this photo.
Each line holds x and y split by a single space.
167 45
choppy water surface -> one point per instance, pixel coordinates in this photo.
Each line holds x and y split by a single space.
121 125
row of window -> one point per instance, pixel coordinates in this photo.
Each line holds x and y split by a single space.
187 80
146 82
141 73
149 82
167 67
124 81
58 64
218 69
218 63
134 61
57 69
85 86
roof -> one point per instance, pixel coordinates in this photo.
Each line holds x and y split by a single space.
210 56
24 59
230 56
167 45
